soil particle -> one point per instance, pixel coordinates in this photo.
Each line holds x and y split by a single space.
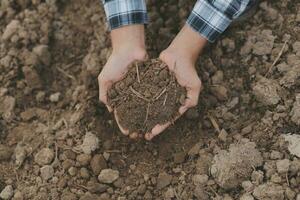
295 113
90 143
266 91
163 180
179 157
5 152
246 197
108 176
44 156
200 179
291 77
43 54
96 187
231 168
11 29
200 193
47 172
83 159
55 97
247 186
269 191
293 144
220 92
217 78
98 163
7 192
283 166
264 43
7 106
21 152
32 78
147 96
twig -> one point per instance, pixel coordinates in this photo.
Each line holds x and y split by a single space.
277 58
161 93
65 73
147 113
287 179
165 100
137 73
214 123
138 94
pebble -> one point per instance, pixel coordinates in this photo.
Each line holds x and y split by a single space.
11 29
163 180
275 155
90 143
220 92
108 176
283 165
7 192
18 196
223 135
179 157
200 179
247 130
98 163
47 172
84 173
72 171
217 78
246 197
83 159
55 97
96 187
44 156
5 152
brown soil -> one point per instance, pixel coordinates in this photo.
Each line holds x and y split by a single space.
148 95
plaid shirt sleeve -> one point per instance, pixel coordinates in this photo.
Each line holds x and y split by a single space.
210 18
124 12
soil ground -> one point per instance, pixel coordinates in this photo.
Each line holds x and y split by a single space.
58 142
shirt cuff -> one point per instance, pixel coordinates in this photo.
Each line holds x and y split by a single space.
125 12
207 20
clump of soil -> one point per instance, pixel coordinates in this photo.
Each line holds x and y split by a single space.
147 96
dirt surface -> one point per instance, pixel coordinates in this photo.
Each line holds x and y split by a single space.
147 96
57 141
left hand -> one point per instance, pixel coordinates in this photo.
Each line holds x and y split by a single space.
187 77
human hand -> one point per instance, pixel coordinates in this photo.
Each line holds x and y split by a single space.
128 46
180 58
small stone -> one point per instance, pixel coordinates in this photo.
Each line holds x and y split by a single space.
96 187
179 157
269 191
72 171
290 194
43 54
223 135
246 197
247 186
200 179
84 173
47 172
32 78
247 130
275 155
169 194
98 163
220 92
55 97
90 143
163 180
44 156
10 29
83 159
294 144
283 165
108 176
5 152
266 91
217 78
18 196
7 192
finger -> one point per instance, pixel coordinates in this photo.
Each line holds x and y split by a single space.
103 88
109 108
156 131
133 135
124 131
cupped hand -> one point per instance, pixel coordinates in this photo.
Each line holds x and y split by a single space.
186 76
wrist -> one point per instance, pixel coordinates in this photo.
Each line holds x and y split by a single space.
129 40
188 44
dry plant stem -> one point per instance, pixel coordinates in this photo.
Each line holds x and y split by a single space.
161 93
277 58
147 113
137 73
138 94
214 123
165 100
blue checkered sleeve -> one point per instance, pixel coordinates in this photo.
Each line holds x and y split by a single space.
124 12
210 18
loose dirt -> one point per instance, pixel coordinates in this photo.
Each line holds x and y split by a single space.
147 96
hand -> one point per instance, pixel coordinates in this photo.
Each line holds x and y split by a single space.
180 58
128 46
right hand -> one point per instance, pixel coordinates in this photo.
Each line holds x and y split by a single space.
128 46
